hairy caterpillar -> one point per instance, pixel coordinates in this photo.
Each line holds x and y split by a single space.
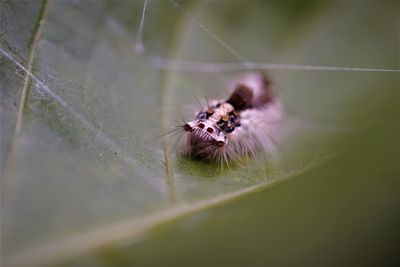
236 127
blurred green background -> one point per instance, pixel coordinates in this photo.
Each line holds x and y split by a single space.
83 184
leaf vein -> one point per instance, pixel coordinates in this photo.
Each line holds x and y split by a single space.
10 161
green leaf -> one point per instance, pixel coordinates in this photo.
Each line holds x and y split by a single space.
80 109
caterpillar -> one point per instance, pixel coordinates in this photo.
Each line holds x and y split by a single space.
246 122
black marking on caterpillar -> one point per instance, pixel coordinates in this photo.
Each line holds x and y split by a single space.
230 129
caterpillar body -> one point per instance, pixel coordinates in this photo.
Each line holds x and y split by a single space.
237 127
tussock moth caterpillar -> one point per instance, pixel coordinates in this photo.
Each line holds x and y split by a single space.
234 128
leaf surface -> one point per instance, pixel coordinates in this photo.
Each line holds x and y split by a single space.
82 168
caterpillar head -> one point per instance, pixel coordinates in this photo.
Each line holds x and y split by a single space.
210 130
